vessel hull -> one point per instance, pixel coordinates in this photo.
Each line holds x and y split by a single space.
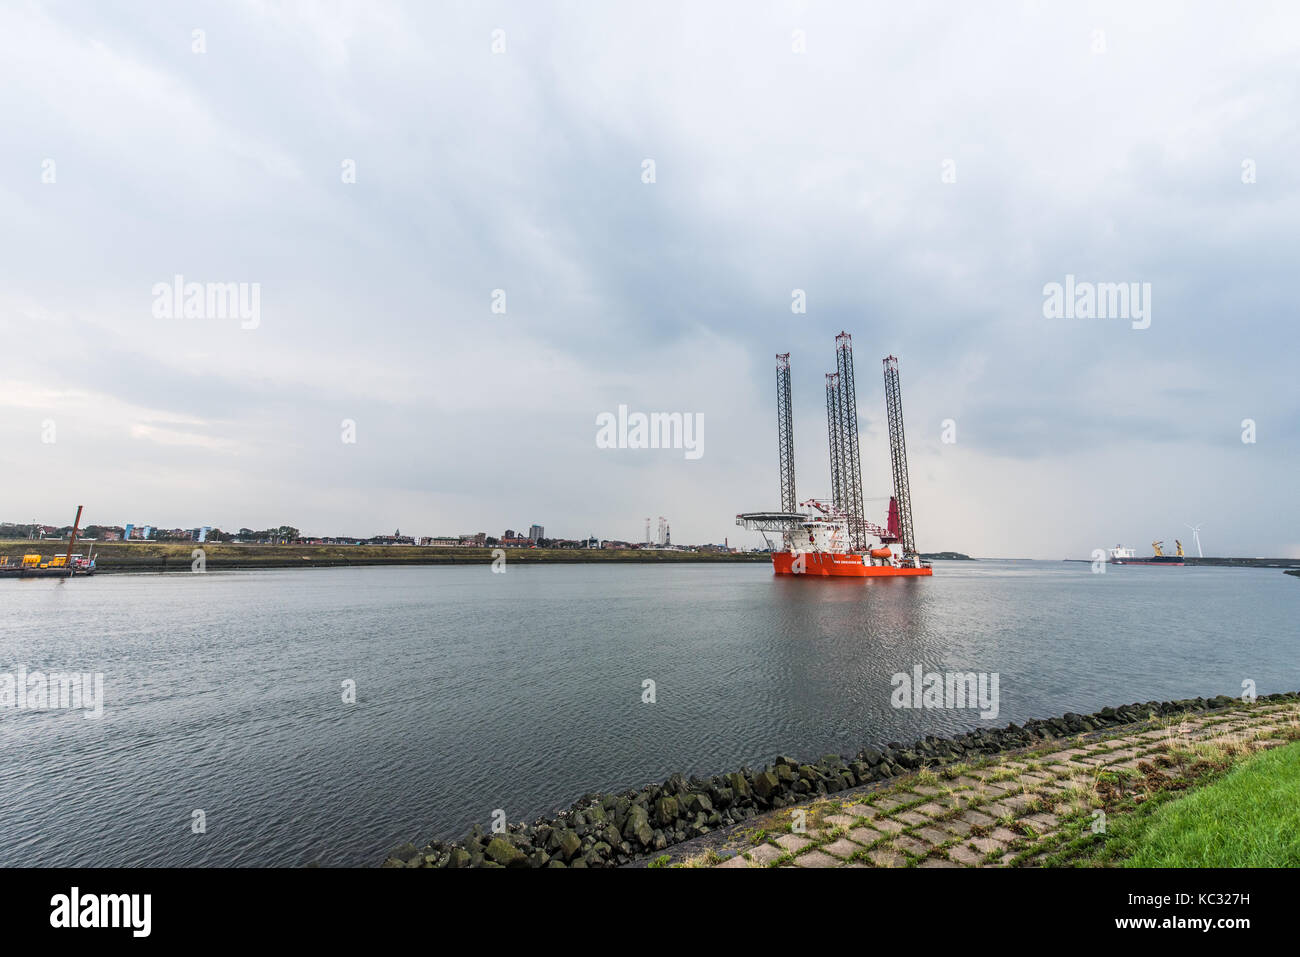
840 565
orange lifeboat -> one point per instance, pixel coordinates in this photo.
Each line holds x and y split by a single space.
881 552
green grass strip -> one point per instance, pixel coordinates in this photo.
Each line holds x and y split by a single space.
1248 818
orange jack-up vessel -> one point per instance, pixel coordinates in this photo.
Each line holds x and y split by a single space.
836 539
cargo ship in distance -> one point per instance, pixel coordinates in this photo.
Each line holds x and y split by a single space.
67 565
35 566
1119 555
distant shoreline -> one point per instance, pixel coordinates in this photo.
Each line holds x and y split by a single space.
1224 562
179 556
150 556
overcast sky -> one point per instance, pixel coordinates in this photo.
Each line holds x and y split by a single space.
921 172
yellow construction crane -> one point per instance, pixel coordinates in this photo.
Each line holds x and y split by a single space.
1180 548
1155 546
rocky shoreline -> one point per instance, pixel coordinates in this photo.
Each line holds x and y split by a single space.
610 830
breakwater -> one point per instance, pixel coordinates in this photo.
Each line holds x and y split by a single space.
609 830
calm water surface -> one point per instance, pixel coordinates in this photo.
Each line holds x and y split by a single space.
522 691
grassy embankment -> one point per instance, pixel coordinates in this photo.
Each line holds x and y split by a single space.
1248 818
176 556
1198 805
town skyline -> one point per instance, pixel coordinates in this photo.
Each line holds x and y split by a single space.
509 537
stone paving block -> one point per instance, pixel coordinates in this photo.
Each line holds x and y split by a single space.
886 857
793 843
1042 822
861 810
887 824
1004 835
736 861
976 819
937 862
964 855
956 826
887 804
931 809
765 854
1056 757
911 845
999 809
843 848
933 835
912 817
926 790
986 845
864 835
839 820
1114 758
816 859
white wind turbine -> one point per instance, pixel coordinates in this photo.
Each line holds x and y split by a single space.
1196 536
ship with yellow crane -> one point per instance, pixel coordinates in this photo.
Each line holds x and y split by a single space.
67 565
1119 555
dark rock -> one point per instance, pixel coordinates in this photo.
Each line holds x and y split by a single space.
567 842
504 853
638 826
666 810
697 802
765 782
739 785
